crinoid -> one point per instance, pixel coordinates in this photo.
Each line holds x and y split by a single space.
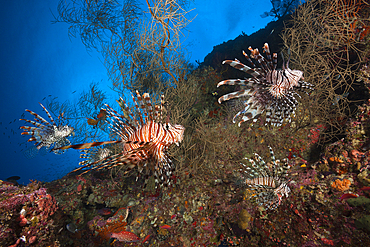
269 89
145 140
45 134
269 182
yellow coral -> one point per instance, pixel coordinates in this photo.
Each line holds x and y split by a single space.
341 185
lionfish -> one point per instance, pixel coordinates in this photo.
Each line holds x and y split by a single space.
49 135
269 89
93 155
269 183
145 139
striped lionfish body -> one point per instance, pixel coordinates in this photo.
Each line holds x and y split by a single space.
269 89
145 139
45 134
270 183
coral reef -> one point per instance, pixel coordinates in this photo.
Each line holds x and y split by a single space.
341 185
207 203
27 215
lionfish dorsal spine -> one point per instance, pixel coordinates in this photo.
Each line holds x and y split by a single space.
148 106
248 58
143 106
261 61
266 49
138 112
119 124
128 115
162 108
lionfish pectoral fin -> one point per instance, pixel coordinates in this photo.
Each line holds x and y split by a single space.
251 114
87 145
233 95
250 111
163 173
233 82
119 159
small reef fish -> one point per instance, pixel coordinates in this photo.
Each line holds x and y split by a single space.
165 227
91 121
339 97
365 188
13 178
146 238
348 196
125 236
105 211
102 114
71 227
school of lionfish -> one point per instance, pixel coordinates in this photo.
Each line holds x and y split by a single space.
145 134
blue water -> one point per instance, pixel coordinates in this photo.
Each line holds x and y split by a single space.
40 62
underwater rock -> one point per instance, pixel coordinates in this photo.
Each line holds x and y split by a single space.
320 197
132 203
244 219
162 234
78 216
357 155
188 219
363 222
363 177
71 227
359 201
